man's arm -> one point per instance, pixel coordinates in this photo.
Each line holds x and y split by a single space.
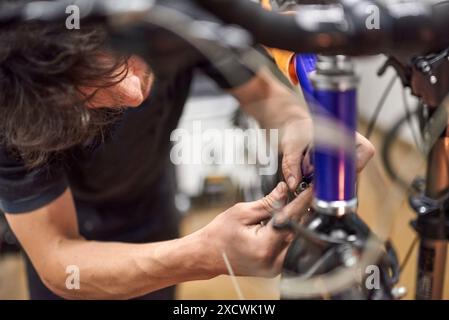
273 105
107 270
121 271
270 102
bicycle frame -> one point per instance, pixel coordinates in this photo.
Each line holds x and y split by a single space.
432 228
432 223
433 215
334 88
329 84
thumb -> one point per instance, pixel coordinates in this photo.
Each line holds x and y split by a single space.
365 151
297 208
291 161
265 207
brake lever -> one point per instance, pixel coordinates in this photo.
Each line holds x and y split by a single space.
404 72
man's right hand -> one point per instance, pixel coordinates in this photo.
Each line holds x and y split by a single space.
114 270
253 247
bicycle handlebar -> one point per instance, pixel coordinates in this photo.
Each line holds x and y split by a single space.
351 27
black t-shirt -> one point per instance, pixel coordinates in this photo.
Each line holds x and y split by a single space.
123 188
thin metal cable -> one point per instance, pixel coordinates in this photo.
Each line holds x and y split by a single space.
409 114
409 254
233 277
379 107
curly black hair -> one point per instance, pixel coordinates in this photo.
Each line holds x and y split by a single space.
42 68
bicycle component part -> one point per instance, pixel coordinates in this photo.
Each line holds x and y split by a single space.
379 107
53 11
432 224
411 27
399 292
284 5
430 77
335 168
302 186
407 27
404 72
338 242
305 64
307 171
390 138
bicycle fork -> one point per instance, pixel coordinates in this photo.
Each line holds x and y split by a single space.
431 224
335 116
336 236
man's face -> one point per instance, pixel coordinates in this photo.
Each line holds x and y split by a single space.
130 92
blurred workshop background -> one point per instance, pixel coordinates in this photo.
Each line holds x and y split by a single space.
207 190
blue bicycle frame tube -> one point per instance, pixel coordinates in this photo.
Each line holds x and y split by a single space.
335 169
331 83
305 64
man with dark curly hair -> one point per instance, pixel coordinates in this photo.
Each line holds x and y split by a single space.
85 174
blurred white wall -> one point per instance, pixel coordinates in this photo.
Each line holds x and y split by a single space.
215 110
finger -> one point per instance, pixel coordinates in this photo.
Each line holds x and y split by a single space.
264 208
275 200
364 152
296 209
291 162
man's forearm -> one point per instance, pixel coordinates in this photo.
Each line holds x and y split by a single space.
123 271
270 102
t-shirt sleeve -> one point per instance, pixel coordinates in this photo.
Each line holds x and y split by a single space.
225 66
23 190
